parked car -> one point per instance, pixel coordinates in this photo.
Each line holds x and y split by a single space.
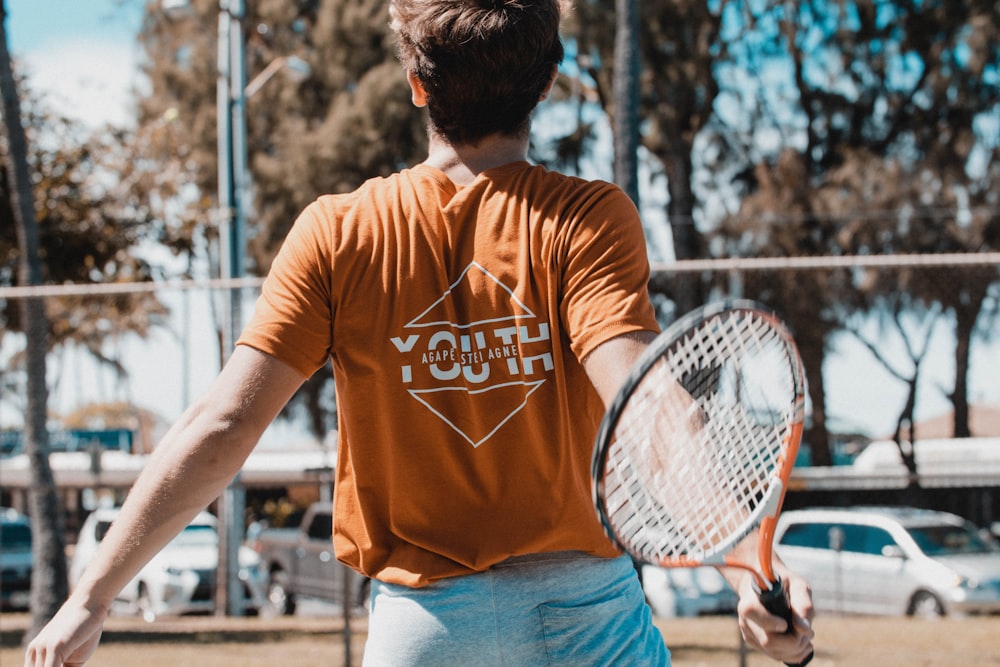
180 579
15 559
301 564
892 561
687 591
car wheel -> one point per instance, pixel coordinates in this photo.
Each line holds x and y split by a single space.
277 593
926 605
145 604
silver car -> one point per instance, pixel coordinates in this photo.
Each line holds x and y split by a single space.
892 561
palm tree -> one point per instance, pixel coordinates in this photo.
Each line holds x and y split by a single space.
49 585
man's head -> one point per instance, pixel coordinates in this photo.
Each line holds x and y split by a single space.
483 64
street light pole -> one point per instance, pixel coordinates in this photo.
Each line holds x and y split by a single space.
232 145
232 92
232 148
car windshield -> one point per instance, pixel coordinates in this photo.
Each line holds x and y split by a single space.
195 536
947 540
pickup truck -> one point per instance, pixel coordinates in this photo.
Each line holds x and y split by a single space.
300 564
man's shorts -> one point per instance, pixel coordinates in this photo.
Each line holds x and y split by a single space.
548 609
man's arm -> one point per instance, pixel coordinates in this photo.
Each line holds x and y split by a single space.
189 468
610 362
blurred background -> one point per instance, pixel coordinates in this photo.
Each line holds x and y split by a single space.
836 161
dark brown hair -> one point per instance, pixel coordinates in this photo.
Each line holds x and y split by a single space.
484 64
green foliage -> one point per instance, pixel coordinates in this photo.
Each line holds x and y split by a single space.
894 154
350 120
86 234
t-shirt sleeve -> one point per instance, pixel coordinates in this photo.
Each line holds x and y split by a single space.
606 274
293 317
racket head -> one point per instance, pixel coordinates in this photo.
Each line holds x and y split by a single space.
683 487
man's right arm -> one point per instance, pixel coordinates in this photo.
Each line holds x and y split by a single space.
189 468
610 362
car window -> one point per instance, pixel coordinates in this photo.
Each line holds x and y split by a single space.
321 527
101 529
835 535
812 534
15 535
947 539
866 539
196 535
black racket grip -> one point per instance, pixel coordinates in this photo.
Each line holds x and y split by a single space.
775 600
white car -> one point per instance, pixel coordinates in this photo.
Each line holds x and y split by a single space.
687 591
891 561
180 579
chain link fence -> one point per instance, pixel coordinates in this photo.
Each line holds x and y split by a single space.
902 348
890 343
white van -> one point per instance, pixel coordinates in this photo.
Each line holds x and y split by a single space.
891 561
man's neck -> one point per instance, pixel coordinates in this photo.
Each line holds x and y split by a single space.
463 163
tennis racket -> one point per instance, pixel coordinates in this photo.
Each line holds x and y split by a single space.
696 449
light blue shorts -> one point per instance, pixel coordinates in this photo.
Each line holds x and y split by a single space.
549 609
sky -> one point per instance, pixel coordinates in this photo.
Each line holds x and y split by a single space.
84 55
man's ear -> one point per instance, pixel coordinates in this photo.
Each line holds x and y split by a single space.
552 81
417 92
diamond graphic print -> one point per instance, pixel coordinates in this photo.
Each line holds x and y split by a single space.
511 396
483 382
470 288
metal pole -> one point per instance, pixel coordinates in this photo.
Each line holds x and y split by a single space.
240 172
236 501
232 192
225 166
224 218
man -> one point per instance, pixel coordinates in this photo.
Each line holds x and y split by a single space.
480 313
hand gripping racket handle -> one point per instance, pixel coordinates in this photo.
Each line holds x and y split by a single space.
775 600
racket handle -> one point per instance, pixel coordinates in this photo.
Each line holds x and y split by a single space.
775 600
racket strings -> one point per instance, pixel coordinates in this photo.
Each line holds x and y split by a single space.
686 476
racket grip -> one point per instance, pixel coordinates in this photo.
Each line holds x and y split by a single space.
775 600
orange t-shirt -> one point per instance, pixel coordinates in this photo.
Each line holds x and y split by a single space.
456 319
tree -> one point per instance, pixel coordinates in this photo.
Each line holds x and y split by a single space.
779 220
679 45
49 586
906 430
351 119
88 233
887 143
927 114
89 226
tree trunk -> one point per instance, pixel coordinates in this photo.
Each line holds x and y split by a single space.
687 293
811 347
49 585
626 97
905 436
965 321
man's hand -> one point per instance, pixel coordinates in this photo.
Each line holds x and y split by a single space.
69 639
770 634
